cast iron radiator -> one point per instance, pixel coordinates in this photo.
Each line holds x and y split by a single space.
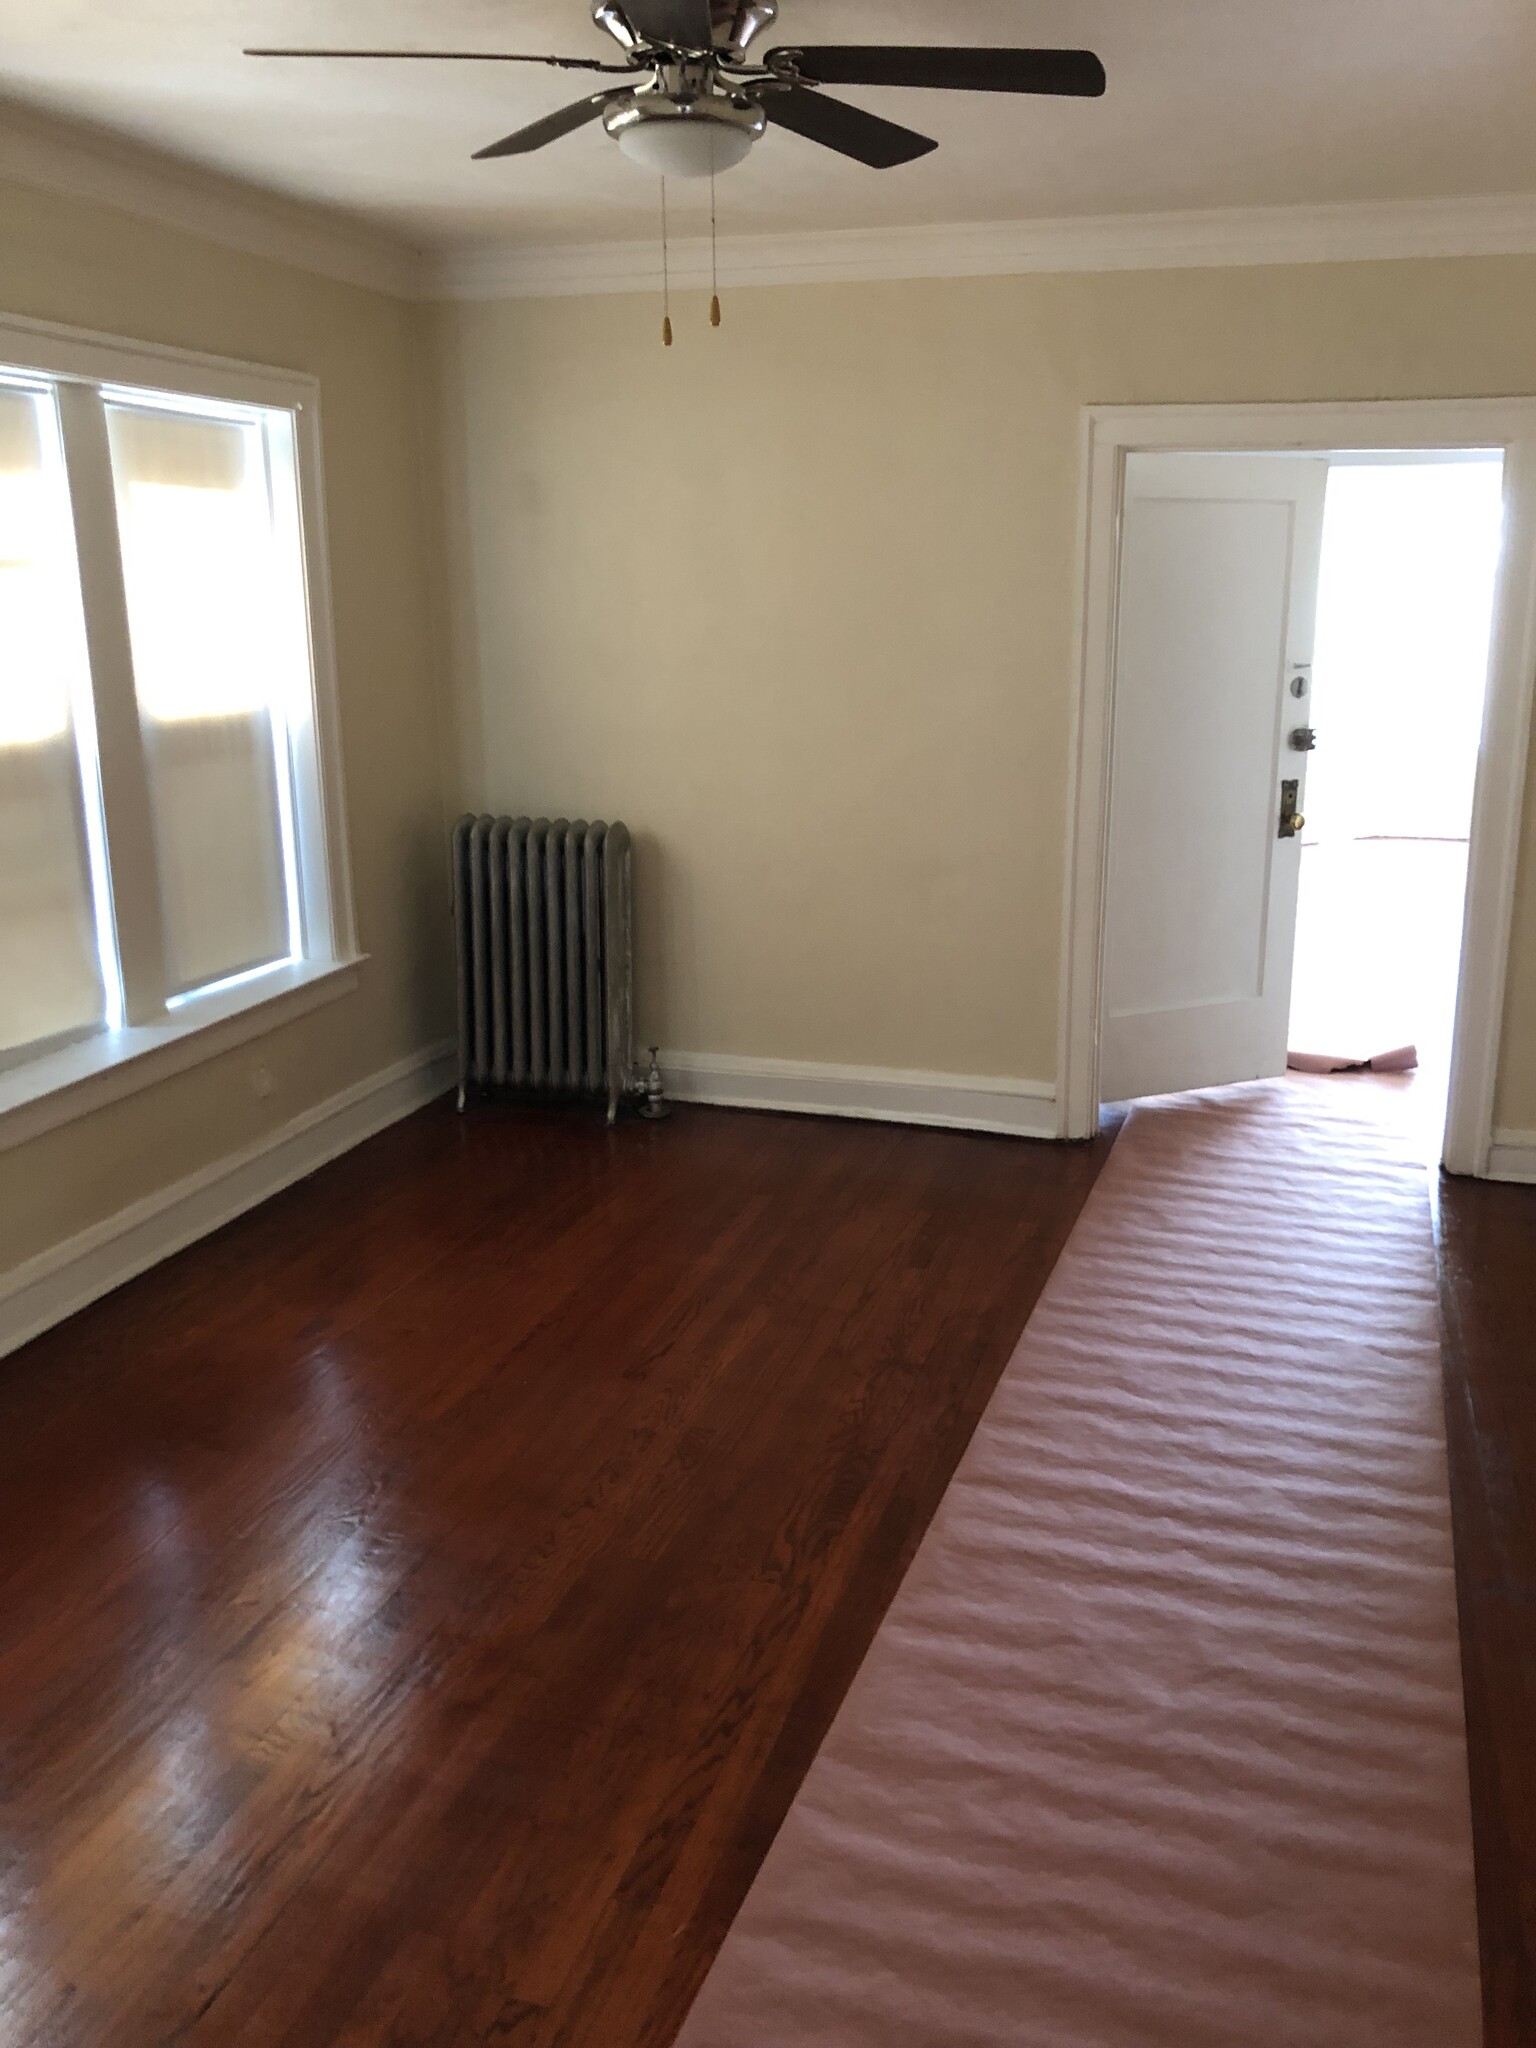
542 917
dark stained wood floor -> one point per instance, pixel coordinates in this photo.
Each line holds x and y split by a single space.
420 1602
1488 1276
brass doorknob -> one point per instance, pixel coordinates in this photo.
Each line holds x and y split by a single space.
1298 822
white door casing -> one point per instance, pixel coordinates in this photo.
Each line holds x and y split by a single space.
1109 435
1218 599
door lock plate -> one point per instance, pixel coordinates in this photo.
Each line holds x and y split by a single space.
1291 820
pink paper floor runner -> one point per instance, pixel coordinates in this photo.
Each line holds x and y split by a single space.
1161 1741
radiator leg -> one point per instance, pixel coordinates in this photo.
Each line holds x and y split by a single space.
652 1094
461 1098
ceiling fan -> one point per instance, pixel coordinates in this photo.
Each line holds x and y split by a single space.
697 101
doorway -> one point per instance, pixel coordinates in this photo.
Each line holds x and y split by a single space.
1193 826
1405 600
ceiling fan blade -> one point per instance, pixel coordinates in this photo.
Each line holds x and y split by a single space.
848 130
1075 72
453 57
550 129
687 23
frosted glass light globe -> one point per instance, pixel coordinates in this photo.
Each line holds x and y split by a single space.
684 139
685 148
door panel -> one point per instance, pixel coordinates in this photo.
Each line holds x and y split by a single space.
1218 592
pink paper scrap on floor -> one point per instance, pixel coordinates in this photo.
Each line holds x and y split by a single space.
1161 1744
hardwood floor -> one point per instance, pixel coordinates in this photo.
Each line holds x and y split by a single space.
422 1600
1488 1272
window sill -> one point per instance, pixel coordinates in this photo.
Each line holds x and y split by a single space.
59 1086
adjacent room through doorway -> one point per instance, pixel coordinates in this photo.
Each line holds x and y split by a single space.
1405 596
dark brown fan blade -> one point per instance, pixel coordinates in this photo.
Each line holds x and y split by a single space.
685 23
453 57
1075 72
550 129
848 130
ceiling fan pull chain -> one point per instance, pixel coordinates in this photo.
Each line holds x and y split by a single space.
666 275
714 246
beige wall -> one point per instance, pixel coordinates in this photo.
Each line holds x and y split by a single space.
798 600
92 267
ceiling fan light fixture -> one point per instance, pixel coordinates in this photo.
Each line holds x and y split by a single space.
698 138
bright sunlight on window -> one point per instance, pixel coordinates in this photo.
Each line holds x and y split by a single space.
218 660
53 986
34 684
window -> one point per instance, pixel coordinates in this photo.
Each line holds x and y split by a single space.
169 837
52 983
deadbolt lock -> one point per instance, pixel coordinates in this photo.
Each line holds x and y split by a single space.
1302 739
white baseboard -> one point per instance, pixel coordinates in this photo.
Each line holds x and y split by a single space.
1512 1156
46 1289
893 1095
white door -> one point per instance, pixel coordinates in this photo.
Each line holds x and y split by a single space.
1218 596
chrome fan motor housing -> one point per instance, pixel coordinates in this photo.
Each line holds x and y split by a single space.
742 21
687 137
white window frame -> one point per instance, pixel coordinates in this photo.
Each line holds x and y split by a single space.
54 1086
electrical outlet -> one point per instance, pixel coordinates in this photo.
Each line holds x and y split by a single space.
262 1083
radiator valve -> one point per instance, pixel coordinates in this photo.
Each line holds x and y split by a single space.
653 1100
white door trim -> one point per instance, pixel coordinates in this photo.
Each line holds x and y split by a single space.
1109 434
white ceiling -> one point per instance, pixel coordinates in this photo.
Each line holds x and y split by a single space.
1211 103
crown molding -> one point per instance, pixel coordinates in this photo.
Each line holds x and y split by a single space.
84 162
1494 226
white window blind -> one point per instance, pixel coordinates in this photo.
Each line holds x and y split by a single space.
168 826
51 981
